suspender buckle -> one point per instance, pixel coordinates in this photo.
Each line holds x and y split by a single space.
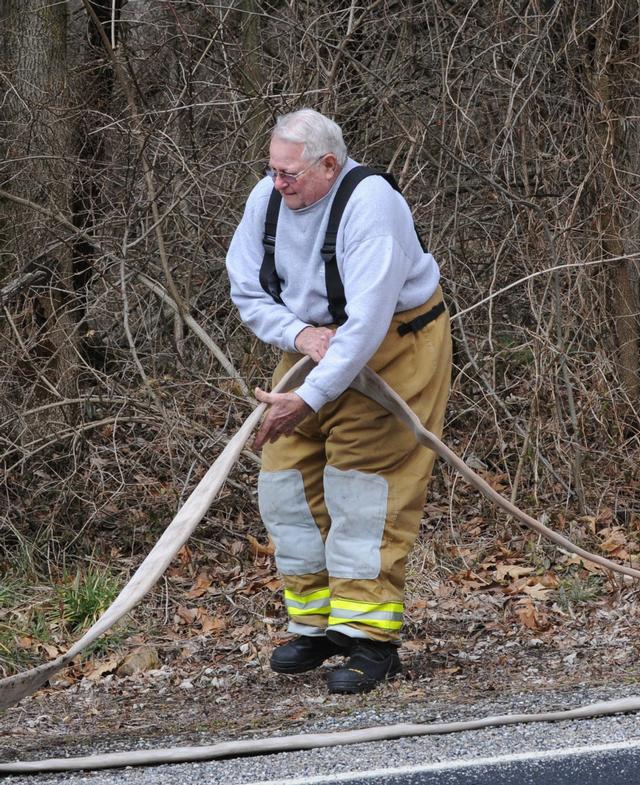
328 250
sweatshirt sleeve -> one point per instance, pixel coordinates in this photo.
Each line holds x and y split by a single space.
379 250
270 321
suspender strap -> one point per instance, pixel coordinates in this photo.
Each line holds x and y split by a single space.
423 320
269 279
335 288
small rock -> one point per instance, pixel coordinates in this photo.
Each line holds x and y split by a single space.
144 658
473 462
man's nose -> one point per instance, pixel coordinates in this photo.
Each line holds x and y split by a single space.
280 182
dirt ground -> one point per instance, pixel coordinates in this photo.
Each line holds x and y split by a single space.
487 617
224 690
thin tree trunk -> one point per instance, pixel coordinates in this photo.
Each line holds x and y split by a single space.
615 50
38 167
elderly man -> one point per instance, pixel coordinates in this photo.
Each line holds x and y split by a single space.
343 484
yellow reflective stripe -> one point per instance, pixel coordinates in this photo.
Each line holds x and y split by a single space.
304 598
315 603
321 611
384 615
367 607
383 624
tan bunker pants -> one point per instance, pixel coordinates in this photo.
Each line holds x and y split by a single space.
343 496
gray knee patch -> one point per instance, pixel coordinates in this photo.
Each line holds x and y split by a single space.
357 504
287 517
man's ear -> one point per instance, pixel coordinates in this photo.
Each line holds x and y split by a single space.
330 164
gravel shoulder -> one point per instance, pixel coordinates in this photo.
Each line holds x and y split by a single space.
478 675
471 661
343 715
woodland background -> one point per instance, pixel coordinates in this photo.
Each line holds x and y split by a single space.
131 133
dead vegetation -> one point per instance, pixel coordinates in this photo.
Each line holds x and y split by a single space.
123 367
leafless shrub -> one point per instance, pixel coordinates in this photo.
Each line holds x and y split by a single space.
510 127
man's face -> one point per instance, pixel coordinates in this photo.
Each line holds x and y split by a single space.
314 183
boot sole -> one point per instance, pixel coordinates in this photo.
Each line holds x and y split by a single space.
295 668
350 687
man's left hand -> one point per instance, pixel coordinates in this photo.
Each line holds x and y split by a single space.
285 411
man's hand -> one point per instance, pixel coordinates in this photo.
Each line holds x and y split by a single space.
314 342
285 411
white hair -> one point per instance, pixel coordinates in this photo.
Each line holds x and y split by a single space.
317 133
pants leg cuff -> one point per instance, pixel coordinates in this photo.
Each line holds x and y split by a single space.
338 633
306 629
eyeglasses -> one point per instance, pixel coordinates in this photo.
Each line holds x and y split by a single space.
290 177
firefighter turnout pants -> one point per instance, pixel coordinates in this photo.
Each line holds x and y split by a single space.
343 496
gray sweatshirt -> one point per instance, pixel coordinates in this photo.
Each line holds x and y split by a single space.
381 263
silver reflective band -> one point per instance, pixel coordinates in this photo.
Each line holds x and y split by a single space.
351 632
319 604
287 517
297 628
357 504
343 613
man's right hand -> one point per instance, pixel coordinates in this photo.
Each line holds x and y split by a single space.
314 342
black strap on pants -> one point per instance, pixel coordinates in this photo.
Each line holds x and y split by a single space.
423 320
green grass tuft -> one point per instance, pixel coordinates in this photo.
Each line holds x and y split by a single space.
574 590
82 600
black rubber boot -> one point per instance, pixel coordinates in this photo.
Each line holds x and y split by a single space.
303 654
370 663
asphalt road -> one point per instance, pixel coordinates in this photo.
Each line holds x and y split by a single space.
600 751
615 764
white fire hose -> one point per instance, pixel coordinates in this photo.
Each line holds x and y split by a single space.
14 688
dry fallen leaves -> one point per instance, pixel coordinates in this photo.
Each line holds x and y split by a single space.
258 549
198 617
144 658
536 590
530 616
210 624
574 559
96 669
27 642
184 615
538 587
200 587
615 543
514 571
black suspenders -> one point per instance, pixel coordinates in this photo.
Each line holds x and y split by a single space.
269 279
335 289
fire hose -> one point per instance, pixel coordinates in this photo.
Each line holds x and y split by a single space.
14 688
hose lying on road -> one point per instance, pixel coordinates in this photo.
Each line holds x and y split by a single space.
14 688
306 741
